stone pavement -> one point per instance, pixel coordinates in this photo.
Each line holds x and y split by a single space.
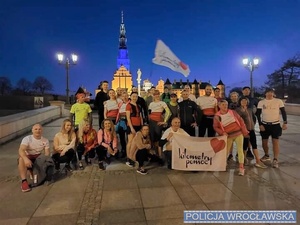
121 196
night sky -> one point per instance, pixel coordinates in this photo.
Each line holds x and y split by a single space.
211 36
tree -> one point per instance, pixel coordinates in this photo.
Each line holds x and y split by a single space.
285 80
5 85
41 85
24 86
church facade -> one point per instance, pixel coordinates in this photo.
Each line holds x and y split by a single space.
122 77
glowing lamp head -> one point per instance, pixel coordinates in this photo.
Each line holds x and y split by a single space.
74 58
60 57
245 61
255 61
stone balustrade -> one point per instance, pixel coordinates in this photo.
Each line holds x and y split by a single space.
16 125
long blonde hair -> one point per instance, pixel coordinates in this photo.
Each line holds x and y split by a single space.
81 126
63 130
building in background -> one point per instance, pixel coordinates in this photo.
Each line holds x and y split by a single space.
197 88
122 77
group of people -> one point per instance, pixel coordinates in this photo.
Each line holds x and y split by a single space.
145 127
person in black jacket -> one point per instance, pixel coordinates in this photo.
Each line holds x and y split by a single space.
101 97
142 103
189 114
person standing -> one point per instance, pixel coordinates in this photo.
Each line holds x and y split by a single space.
209 106
174 108
252 105
134 123
189 113
159 114
121 126
80 110
234 100
228 122
165 97
268 116
143 105
187 88
101 97
111 106
247 114
217 93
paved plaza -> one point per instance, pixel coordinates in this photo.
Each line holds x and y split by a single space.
121 196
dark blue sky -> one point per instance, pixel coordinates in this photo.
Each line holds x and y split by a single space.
211 36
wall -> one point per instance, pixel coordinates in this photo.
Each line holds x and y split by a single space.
17 102
292 109
16 125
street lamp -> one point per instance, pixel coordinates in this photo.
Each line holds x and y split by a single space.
67 63
251 64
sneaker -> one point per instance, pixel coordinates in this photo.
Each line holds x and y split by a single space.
68 167
25 186
275 163
81 166
130 164
230 158
260 164
141 171
241 171
265 158
101 166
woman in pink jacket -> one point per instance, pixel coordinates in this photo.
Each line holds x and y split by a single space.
228 122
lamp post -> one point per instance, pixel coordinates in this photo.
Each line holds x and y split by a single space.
251 64
139 74
67 63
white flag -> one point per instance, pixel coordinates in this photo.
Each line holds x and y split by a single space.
165 57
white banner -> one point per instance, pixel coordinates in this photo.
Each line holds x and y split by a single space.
165 57
199 154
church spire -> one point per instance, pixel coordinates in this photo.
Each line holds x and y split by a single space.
122 38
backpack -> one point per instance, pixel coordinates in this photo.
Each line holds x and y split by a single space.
43 170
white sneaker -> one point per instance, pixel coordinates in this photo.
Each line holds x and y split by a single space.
241 171
260 164
129 164
275 163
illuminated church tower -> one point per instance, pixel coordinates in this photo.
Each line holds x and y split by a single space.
122 77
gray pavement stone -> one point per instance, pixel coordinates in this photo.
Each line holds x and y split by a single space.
153 180
65 219
124 216
121 199
167 212
212 193
15 221
188 195
159 196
